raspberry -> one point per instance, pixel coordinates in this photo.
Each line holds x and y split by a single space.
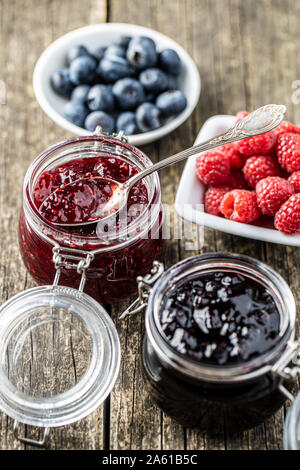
236 180
288 151
271 193
236 160
287 218
258 167
240 205
212 168
213 197
294 179
285 127
257 145
241 115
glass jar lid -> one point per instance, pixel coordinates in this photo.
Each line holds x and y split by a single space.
59 356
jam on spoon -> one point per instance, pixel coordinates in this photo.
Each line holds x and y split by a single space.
220 318
75 191
79 201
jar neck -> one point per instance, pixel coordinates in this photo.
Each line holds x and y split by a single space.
239 372
90 147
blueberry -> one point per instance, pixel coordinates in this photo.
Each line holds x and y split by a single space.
76 51
172 83
100 98
115 50
141 52
126 122
148 117
171 102
99 53
128 92
80 93
75 112
99 118
170 62
123 41
61 82
154 80
83 70
111 69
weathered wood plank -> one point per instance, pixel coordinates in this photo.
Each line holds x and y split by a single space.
150 428
27 28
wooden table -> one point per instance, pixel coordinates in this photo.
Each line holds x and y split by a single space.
247 52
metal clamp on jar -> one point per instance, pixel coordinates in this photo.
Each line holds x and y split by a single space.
59 349
210 396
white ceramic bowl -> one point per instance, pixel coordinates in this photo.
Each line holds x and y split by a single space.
191 191
92 36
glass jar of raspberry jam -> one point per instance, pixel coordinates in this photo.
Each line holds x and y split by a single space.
118 254
219 351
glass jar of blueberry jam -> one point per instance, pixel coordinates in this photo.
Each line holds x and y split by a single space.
116 254
219 350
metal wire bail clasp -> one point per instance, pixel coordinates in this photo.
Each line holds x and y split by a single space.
288 367
27 440
144 288
65 257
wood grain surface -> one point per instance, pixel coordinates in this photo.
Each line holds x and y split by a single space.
247 54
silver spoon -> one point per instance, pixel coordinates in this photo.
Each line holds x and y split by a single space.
261 120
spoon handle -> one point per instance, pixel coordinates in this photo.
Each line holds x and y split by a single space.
261 120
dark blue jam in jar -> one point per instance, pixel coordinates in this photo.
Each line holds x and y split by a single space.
220 318
215 326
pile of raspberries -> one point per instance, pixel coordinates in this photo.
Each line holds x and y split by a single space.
255 177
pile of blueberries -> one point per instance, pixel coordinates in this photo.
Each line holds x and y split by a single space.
128 86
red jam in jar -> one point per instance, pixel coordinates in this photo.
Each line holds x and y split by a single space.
121 252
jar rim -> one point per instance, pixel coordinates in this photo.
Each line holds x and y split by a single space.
217 373
51 155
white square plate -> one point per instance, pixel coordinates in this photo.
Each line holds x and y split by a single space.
190 195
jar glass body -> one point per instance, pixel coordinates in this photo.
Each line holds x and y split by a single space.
118 259
291 435
211 397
